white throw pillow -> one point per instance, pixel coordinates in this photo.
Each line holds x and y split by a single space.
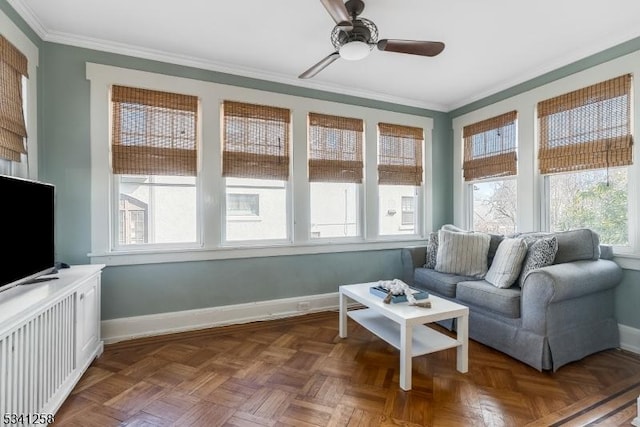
507 263
462 253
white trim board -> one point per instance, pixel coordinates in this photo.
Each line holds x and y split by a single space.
116 330
127 328
629 338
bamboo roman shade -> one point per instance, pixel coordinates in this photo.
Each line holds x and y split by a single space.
587 129
13 65
256 141
490 148
154 133
335 148
399 154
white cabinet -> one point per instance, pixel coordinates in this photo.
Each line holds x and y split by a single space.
49 335
88 319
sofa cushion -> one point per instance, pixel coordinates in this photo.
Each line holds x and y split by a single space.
541 253
507 263
576 245
481 293
443 284
464 254
432 250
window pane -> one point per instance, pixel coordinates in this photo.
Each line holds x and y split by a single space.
256 209
334 209
156 209
594 199
243 204
397 209
494 206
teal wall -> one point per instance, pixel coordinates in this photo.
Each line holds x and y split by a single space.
628 299
145 289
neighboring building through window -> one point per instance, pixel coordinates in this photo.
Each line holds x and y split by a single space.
585 148
408 210
243 204
335 175
154 157
134 223
490 166
399 177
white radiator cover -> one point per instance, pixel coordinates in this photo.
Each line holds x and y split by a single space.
43 340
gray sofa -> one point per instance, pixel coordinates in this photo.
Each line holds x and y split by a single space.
560 313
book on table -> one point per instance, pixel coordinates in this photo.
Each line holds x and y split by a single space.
382 293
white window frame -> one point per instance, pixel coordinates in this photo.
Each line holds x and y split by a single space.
211 192
532 186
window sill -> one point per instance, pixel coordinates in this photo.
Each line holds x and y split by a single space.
628 261
204 254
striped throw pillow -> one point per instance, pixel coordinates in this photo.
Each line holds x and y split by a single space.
462 253
507 263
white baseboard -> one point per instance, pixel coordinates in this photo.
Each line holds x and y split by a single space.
127 328
629 338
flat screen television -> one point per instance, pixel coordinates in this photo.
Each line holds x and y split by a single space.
26 230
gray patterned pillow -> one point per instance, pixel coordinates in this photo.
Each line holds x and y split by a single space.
507 263
462 253
432 251
541 253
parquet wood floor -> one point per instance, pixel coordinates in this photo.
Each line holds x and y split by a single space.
298 372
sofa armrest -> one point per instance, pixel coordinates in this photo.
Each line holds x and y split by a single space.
412 258
560 282
560 297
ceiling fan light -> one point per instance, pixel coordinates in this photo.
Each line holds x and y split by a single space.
354 50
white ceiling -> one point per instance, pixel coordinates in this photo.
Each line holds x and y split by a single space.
490 44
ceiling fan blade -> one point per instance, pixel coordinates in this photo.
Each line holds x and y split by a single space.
413 47
324 63
338 12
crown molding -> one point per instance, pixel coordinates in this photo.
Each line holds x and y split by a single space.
48 35
558 63
29 17
162 56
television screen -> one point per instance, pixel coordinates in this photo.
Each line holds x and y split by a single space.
27 235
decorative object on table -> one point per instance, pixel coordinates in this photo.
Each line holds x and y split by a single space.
395 291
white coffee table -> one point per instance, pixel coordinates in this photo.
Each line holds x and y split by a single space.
403 326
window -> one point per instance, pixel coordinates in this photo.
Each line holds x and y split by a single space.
247 195
335 175
408 210
490 152
399 177
255 161
13 131
134 221
243 204
585 146
154 161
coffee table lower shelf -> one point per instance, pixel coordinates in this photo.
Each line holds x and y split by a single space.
425 340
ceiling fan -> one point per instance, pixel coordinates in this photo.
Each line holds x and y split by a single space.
354 37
